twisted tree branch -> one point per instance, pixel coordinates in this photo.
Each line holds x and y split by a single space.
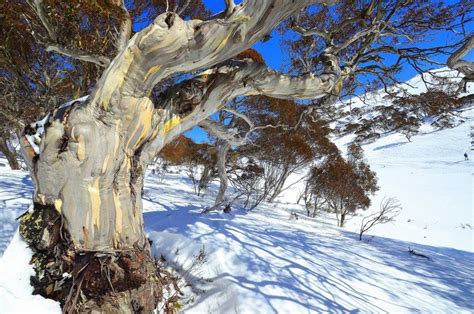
53 44
214 88
171 45
455 62
78 54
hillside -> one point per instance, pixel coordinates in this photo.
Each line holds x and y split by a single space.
264 261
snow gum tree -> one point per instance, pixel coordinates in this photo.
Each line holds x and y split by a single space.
88 167
145 87
342 186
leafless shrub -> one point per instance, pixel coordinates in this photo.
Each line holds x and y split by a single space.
248 180
389 209
175 280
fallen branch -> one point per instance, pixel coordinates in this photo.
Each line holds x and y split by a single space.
413 252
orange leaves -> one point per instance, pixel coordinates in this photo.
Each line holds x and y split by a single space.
251 54
178 151
184 150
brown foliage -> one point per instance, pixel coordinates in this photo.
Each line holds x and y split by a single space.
184 150
344 185
431 103
179 151
34 81
286 142
251 54
289 140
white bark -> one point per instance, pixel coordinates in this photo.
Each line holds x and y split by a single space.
171 45
125 28
93 155
79 55
456 62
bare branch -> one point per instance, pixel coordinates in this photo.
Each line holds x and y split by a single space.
230 136
271 83
311 32
79 55
18 123
38 4
240 115
389 209
125 28
184 7
371 30
53 45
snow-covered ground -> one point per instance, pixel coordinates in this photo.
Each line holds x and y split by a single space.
15 198
433 183
264 262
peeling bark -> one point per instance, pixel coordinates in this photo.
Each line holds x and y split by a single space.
93 154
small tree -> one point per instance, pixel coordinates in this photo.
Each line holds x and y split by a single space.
285 140
199 160
388 210
343 186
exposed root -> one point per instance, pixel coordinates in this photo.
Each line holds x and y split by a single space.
111 282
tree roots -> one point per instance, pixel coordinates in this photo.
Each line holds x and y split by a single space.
112 282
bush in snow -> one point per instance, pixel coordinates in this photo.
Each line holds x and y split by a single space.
342 186
388 210
199 160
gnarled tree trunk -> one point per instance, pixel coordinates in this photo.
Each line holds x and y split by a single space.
88 170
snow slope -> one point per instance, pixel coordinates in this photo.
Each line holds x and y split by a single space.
433 183
264 262
429 175
15 198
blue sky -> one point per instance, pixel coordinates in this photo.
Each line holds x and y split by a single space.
272 52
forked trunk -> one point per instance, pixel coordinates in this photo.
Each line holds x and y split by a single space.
87 217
